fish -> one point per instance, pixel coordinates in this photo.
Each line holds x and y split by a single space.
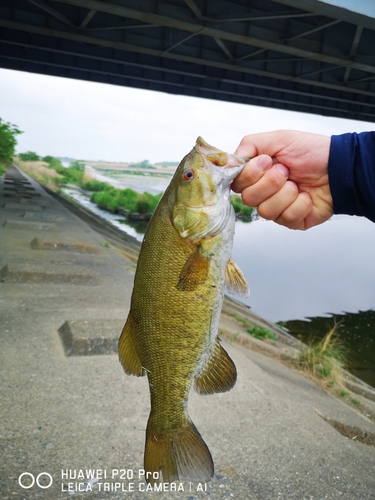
171 333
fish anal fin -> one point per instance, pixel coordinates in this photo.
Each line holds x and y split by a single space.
235 281
194 272
179 454
127 352
219 374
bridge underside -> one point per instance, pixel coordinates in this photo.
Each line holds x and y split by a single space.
312 56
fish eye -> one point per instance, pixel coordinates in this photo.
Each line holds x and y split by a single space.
188 174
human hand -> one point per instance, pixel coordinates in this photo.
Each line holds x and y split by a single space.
287 178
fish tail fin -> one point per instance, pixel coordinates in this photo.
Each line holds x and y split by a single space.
178 454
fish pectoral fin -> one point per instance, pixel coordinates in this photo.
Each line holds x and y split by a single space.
235 281
179 454
219 374
127 352
194 272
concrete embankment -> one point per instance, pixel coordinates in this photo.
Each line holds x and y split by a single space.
68 410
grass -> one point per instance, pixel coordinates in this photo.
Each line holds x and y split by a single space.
40 171
112 199
261 333
325 359
51 173
2 169
93 185
255 331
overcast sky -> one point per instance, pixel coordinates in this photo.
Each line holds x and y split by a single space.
93 121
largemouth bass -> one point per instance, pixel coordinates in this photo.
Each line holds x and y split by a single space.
171 331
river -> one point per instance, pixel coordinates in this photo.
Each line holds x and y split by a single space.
308 280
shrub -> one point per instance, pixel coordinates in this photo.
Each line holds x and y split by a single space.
29 156
72 175
104 200
8 142
111 199
94 185
53 163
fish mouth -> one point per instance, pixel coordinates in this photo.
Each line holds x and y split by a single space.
216 157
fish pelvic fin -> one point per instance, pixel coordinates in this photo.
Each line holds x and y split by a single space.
194 272
127 352
178 454
235 281
219 374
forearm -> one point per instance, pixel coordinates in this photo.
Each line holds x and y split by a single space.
351 170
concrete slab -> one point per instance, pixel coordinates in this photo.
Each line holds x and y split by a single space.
43 216
36 273
57 245
19 206
30 226
87 338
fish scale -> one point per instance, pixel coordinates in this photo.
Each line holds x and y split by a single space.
171 330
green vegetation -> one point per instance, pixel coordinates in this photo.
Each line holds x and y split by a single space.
52 162
254 330
343 393
142 164
50 171
8 141
239 206
29 156
39 171
325 358
2 169
261 333
70 175
168 163
111 199
94 185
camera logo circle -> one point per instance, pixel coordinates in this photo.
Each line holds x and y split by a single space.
31 477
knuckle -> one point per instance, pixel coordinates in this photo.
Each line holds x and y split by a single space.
266 211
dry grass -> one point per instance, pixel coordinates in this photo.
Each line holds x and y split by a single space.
324 360
39 171
87 176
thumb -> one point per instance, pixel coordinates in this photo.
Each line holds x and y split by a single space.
256 144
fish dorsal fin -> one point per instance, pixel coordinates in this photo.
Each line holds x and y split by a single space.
219 374
194 272
235 281
127 352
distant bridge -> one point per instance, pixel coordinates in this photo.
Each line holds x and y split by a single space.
314 56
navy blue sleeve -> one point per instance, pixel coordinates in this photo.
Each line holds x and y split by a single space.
351 172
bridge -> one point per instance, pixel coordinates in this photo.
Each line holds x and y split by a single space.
313 56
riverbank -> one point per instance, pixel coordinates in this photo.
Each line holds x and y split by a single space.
282 348
68 406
